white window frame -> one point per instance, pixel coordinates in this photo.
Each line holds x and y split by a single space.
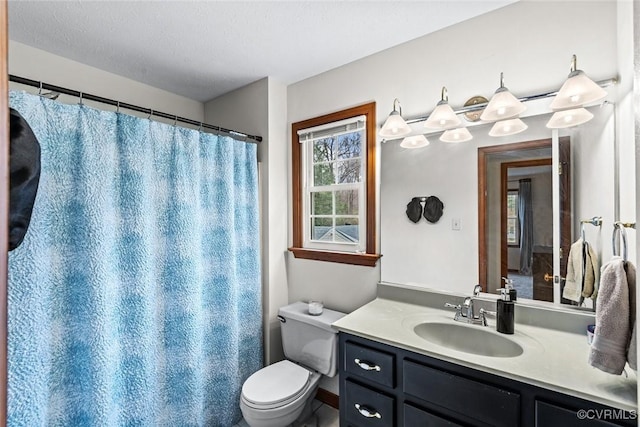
306 141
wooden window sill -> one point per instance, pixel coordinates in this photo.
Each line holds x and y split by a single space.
367 260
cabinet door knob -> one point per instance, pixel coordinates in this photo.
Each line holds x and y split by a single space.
366 365
367 412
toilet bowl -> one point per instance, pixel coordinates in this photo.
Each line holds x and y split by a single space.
277 395
281 394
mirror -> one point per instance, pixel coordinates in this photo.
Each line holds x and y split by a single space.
515 216
453 254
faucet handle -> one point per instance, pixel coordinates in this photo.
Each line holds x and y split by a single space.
483 315
458 308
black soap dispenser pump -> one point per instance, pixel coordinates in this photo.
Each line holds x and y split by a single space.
505 312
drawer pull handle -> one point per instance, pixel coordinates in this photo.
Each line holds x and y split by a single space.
366 412
367 366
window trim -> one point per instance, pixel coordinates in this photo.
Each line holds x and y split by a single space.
369 257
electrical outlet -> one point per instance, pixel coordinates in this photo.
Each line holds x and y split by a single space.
456 224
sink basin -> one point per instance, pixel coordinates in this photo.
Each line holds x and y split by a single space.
469 339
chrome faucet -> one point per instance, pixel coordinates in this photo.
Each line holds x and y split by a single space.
468 308
476 290
465 312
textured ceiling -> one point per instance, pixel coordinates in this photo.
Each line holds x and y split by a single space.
204 49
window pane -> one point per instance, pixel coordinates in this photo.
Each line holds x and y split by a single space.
323 174
512 231
323 150
348 171
322 229
347 202
512 205
347 230
349 145
322 203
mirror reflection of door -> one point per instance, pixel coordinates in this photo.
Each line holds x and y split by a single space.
527 230
516 216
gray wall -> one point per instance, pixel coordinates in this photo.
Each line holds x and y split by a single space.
531 42
36 64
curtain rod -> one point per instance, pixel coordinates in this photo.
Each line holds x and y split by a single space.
83 95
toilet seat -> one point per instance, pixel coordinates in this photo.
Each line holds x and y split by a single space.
275 385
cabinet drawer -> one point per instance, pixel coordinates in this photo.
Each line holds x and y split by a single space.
373 365
414 417
367 407
485 403
548 414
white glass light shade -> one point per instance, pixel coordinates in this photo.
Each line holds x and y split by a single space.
568 118
503 105
394 127
442 117
507 127
416 141
577 91
456 135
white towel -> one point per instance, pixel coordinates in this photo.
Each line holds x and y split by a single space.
582 272
591 278
614 318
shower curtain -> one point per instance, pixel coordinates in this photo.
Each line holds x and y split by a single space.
135 297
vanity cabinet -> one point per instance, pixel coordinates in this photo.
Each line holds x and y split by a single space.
382 385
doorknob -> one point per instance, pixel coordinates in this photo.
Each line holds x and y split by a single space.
556 279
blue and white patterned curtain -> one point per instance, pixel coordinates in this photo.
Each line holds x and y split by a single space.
135 298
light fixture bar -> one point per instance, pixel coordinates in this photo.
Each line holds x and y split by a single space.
477 107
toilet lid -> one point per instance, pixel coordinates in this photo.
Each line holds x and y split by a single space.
276 384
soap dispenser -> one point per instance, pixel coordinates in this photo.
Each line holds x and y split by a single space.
508 284
505 312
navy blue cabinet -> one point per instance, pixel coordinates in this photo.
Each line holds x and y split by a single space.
381 385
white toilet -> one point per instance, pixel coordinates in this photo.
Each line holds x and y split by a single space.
280 394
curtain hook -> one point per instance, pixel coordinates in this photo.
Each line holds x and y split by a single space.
150 114
40 89
118 107
175 120
80 103
200 127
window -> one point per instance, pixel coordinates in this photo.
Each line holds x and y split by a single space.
513 225
334 187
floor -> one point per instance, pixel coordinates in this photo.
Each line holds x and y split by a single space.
523 284
325 414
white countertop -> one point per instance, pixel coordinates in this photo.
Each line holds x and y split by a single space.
552 359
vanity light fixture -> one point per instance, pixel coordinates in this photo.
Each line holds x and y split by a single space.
508 127
503 109
416 141
456 135
577 91
567 118
443 117
395 126
503 105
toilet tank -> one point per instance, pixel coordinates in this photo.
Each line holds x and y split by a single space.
310 340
